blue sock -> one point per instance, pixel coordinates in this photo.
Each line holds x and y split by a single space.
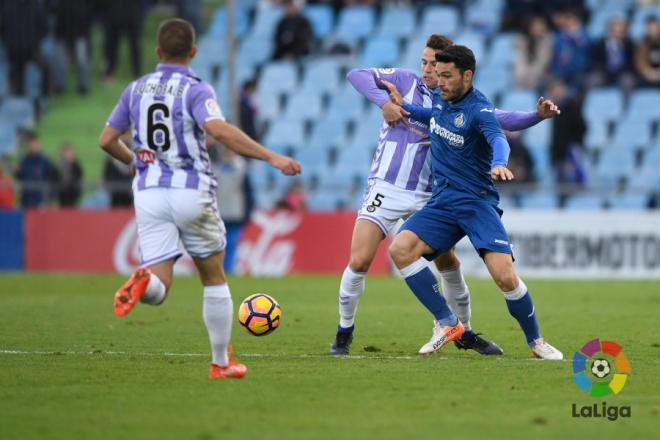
523 310
341 329
425 287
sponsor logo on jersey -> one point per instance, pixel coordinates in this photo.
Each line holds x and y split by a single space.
488 110
455 140
501 241
146 156
459 120
387 71
212 107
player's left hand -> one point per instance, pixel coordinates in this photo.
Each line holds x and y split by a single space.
546 109
287 165
501 173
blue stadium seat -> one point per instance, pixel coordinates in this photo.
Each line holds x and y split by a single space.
214 49
380 52
355 22
323 200
266 21
484 16
518 100
647 177
476 42
33 80
278 77
346 105
604 103
632 134
255 50
283 134
638 25
540 200
440 20
4 79
502 52
539 136
492 81
354 159
17 111
397 21
643 105
584 202
630 200
303 107
218 27
412 55
321 17
365 135
8 139
321 75
328 132
596 136
269 106
373 117
613 164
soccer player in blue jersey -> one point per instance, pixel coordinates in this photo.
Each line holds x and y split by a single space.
400 184
169 113
468 152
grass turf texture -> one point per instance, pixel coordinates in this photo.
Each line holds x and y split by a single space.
107 377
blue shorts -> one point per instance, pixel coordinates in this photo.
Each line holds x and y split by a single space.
450 215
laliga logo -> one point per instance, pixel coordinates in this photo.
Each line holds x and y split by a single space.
267 255
601 368
126 253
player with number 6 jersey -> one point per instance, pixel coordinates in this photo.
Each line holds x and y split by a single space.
169 114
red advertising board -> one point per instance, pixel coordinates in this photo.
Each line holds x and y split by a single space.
275 243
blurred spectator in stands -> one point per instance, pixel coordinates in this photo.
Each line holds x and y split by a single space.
648 54
69 177
191 10
571 51
249 109
7 191
517 13
36 174
123 17
534 51
23 25
521 162
73 20
295 198
612 58
118 181
235 199
294 34
568 129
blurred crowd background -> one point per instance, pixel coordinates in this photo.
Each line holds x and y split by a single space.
64 63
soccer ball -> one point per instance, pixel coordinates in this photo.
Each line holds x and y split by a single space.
259 314
600 368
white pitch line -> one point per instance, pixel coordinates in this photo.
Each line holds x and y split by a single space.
249 355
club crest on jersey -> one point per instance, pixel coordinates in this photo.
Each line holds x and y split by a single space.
459 120
146 156
212 107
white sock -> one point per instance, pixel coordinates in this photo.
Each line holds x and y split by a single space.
155 293
457 294
218 314
516 293
351 289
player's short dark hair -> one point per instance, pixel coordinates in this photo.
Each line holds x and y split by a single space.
461 56
438 42
176 37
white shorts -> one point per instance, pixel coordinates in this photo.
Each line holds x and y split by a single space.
385 204
166 216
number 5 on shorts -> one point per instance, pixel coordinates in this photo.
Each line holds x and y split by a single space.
376 202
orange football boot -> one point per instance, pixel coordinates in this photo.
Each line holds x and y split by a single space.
130 293
232 371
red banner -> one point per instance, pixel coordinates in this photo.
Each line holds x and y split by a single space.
275 243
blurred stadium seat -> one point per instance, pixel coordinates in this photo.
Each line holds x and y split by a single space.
355 22
321 18
440 20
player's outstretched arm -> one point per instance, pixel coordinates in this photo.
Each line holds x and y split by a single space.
234 138
111 143
516 121
416 112
371 87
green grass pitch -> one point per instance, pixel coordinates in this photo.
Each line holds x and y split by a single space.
70 369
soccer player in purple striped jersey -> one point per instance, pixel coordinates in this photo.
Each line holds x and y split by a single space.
400 184
169 113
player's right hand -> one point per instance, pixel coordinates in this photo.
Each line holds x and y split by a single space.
287 165
393 113
395 96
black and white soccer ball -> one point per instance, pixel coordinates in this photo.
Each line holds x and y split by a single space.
600 368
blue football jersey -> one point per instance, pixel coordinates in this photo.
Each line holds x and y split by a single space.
462 133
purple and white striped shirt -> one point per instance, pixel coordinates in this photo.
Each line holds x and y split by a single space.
166 111
401 156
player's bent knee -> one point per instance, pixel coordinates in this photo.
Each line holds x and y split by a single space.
506 280
447 261
359 263
402 253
